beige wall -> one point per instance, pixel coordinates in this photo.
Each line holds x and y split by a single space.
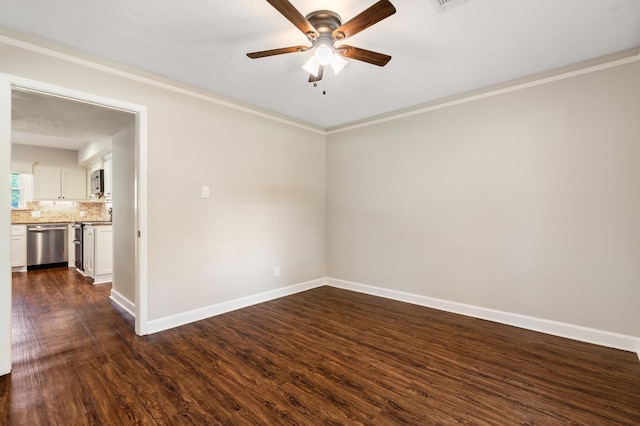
266 209
526 202
267 181
39 154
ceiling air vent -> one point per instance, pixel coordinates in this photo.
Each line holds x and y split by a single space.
442 5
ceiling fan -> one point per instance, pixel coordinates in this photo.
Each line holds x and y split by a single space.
323 28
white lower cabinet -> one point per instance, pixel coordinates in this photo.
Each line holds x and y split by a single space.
19 247
98 253
88 249
104 250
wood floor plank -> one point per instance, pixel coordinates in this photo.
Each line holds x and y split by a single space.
325 356
5 399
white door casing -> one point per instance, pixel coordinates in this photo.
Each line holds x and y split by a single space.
7 84
5 227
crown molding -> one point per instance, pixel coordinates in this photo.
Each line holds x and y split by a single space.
42 47
582 68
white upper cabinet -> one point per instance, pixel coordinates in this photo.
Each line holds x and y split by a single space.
74 184
59 183
107 177
47 182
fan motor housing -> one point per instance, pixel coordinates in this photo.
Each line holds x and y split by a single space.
324 21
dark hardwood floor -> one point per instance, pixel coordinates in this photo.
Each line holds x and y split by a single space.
325 356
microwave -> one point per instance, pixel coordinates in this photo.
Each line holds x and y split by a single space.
97 182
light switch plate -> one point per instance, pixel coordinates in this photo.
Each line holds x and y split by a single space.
205 191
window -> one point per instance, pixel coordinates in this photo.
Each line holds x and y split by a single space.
15 191
20 190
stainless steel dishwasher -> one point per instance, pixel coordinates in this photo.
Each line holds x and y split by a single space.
47 246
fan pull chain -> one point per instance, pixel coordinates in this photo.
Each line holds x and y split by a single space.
324 87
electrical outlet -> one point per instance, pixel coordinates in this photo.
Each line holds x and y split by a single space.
35 213
83 213
276 272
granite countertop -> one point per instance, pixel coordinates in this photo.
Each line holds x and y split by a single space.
88 222
42 223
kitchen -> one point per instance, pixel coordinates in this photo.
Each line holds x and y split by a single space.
56 229
62 164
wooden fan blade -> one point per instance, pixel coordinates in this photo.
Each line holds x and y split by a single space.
265 53
291 13
376 13
364 55
313 78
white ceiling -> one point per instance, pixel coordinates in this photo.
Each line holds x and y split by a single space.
435 55
41 120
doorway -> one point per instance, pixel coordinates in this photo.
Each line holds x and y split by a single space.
137 177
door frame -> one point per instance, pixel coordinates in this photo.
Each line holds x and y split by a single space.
140 184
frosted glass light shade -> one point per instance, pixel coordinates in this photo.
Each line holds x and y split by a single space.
337 63
312 66
323 54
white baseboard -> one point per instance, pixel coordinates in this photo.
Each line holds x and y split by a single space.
123 302
103 279
228 306
570 331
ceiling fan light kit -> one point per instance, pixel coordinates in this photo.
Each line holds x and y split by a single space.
323 28
312 66
337 63
323 54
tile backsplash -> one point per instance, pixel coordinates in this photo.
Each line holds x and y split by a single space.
60 211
